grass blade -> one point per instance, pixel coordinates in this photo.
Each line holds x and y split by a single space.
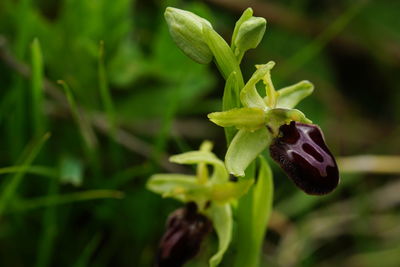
45 201
12 185
38 118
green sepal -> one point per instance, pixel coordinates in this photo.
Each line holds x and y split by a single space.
290 96
181 187
220 175
249 95
221 216
244 148
249 119
186 29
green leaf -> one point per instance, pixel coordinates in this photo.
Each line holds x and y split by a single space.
249 119
254 210
179 186
186 29
290 96
194 157
231 100
245 147
221 216
262 202
249 95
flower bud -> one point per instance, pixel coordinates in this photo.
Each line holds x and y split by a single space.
186 229
249 34
301 152
186 29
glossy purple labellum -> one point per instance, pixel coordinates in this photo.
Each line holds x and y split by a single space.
301 152
186 229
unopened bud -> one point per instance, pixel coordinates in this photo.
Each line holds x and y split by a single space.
186 29
249 34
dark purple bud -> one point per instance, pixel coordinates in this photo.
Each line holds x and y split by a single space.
186 229
301 152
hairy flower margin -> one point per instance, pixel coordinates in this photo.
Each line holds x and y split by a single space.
252 122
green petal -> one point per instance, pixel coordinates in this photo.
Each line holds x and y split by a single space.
249 95
249 119
245 147
202 170
179 186
290 96
194 157
221 216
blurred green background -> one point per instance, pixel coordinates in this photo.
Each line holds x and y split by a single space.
129 98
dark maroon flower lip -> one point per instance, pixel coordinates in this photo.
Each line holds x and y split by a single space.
186 229
301 152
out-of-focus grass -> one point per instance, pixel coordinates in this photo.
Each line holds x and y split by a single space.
129 97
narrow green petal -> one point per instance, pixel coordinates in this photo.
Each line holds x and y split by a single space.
249 119
202 170
249 95
290 96
245 147
221 216
194 157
